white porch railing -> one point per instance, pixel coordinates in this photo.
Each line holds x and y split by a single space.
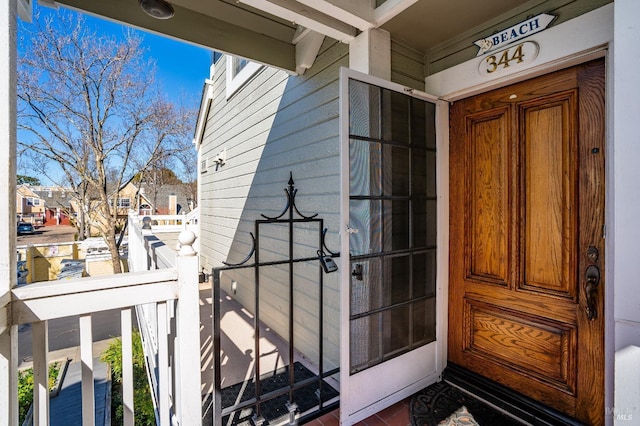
162 224
168 223
165 295
148 252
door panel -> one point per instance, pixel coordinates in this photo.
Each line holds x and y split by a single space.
487 202
527 208
549 194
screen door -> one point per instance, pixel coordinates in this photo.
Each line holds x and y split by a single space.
390 212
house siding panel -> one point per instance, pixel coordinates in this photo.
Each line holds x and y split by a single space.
407 66
274 124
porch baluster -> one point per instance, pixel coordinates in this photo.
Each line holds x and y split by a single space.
9 374
40 341
86 359
163 365
127 368
188 331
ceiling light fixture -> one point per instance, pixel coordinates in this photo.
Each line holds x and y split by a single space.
159 9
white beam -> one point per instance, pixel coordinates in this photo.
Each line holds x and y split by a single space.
307 50
389 9
357 14
370 53
302 15
360 13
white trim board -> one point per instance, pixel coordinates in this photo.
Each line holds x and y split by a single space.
583 38
233 84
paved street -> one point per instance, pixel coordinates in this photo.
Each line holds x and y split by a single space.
64 333
48 235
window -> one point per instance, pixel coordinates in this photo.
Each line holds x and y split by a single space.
36 201
29 201
124 203
238 64
239 71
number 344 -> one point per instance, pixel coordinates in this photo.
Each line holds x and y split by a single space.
505 59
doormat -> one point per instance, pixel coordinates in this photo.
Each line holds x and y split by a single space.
436 403
275 410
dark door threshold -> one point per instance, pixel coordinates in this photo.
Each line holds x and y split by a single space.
516 404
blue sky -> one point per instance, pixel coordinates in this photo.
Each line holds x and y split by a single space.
181 68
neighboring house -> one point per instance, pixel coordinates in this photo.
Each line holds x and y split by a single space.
168 199
460 155
127 199
61 204
165 200
30 207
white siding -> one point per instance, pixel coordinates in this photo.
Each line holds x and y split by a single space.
407 66
274 124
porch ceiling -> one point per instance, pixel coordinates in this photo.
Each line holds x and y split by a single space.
267 31
429 23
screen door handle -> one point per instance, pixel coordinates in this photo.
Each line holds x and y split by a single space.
357 272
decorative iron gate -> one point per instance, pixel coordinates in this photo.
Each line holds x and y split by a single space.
289 394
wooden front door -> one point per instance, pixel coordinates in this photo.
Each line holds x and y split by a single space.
526 272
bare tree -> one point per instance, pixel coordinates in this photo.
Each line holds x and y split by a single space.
88 103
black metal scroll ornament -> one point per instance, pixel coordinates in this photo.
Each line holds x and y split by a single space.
249 256
291 208
291 202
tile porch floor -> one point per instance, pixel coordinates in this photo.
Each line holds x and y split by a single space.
396 415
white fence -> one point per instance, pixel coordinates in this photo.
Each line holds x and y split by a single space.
158 323
164 291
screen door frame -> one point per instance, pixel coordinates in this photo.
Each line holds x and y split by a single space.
366 392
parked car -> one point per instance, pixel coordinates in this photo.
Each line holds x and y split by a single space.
25 228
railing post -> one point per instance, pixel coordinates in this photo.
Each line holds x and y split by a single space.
188 330
8 333
127 367
9 375
135 246
86 359
40 342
